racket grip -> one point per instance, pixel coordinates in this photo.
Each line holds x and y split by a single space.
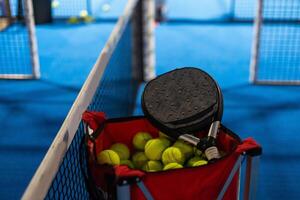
208 145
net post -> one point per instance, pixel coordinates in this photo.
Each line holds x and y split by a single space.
29 20
143 40
148 39
256 42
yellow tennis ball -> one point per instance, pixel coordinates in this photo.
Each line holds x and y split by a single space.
154 148
128 163
185 148
83 13
108 157
139 159
88 19
199 163
73 20
172 166
122 150
140 139
193 160
55 4
172 155
152 166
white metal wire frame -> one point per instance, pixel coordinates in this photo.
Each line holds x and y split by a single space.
250 174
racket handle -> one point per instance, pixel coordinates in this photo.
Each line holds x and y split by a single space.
208 145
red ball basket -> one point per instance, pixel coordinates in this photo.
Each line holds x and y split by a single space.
217 180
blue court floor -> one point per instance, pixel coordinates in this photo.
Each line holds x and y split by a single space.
31 112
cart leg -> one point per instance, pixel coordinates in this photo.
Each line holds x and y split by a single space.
239 184
235 169
251 177
123 192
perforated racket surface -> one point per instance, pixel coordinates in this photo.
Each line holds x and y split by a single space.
182 101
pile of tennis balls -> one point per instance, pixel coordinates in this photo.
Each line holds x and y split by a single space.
153 154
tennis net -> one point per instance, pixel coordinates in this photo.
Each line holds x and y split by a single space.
18 48
110 87
276 45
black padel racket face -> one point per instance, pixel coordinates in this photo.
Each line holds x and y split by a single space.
182 101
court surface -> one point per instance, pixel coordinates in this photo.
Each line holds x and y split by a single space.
31 112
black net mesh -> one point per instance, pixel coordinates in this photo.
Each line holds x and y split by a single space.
116 97
116 94
69 181
279 42
15 56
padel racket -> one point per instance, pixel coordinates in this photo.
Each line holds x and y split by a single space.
182 102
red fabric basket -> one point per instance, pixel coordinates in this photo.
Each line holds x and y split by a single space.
203 182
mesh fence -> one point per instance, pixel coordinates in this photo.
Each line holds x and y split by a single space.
98 9
208 10
279 42
15 50
69 8
15 46
116 97
243 9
